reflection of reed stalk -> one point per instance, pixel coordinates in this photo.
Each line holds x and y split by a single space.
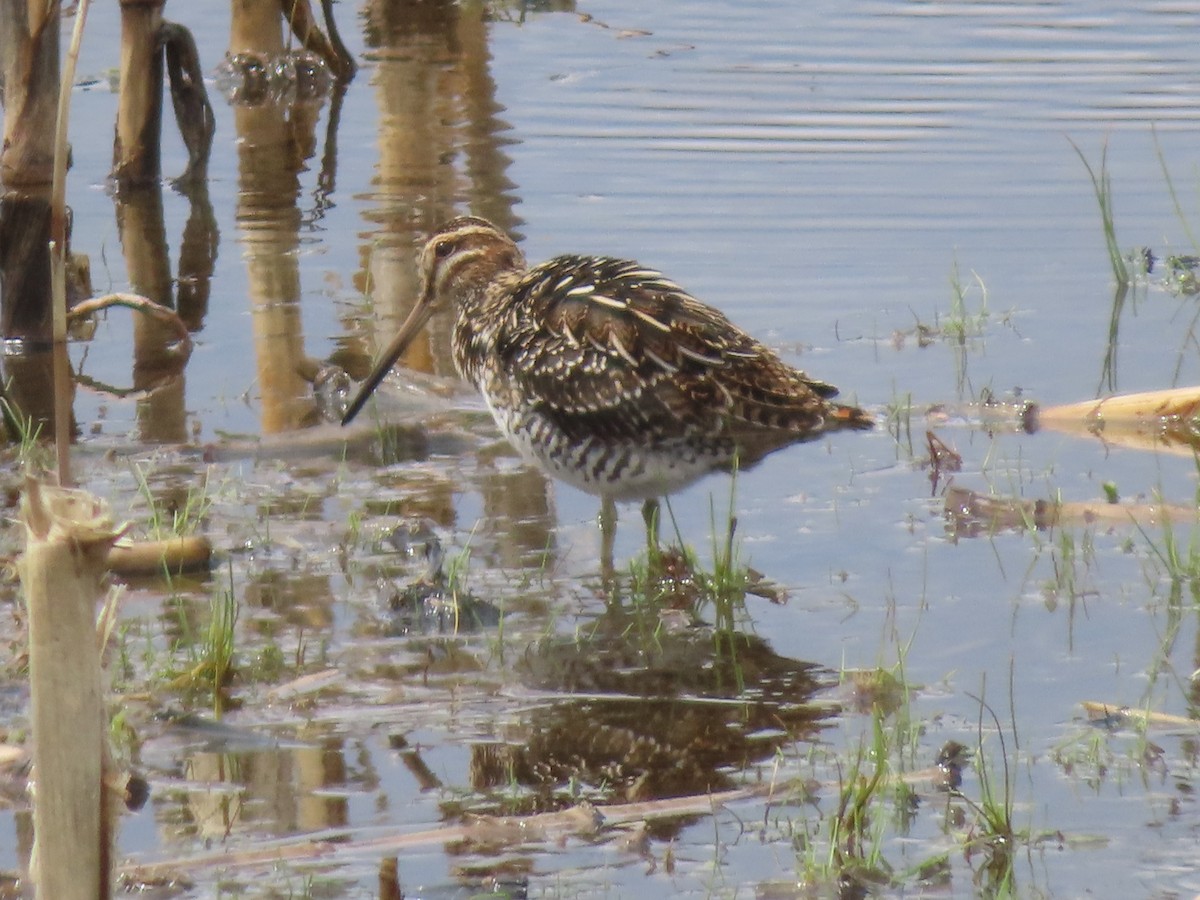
1108 371
58 247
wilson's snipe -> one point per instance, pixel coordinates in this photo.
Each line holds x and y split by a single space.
603 372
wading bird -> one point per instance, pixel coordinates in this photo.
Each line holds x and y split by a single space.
604 373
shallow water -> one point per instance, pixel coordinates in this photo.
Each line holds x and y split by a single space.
824 174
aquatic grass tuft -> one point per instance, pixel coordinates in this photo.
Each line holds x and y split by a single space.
212 662
1179 563
175 519
1102 186
849 852
876 798
33 455
455 580
726 583
1068 556
961 323
217 666
898 416
992 832
673 576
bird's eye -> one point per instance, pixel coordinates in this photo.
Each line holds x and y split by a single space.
442 249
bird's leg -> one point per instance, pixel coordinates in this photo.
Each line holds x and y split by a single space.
608 532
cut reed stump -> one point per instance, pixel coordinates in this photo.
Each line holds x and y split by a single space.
177 555
255 31
67 538
1164 419
145 39
1150 420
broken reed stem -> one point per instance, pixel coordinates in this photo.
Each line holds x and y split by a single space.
1166 419
67 536
58 191
1121 716
136 140
1151 408
175 555
303 25
58 250
137 303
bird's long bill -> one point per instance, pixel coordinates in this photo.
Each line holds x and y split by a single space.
412 325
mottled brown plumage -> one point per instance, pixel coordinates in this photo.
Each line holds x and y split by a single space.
605 373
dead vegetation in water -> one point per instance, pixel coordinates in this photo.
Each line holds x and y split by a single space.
494 835
971 514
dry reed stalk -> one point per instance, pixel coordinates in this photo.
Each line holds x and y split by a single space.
29 55
139 99
255 27
1163 419
1137 718
300 19
175 555
389 879
140 304
58 255
481 830
67 537
1167 420
489 831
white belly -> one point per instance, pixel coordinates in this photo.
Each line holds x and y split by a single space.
621 470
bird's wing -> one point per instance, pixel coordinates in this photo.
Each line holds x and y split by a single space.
610 348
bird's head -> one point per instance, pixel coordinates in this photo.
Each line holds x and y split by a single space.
458 262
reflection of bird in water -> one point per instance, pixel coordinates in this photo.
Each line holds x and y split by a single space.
606 374
631 711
